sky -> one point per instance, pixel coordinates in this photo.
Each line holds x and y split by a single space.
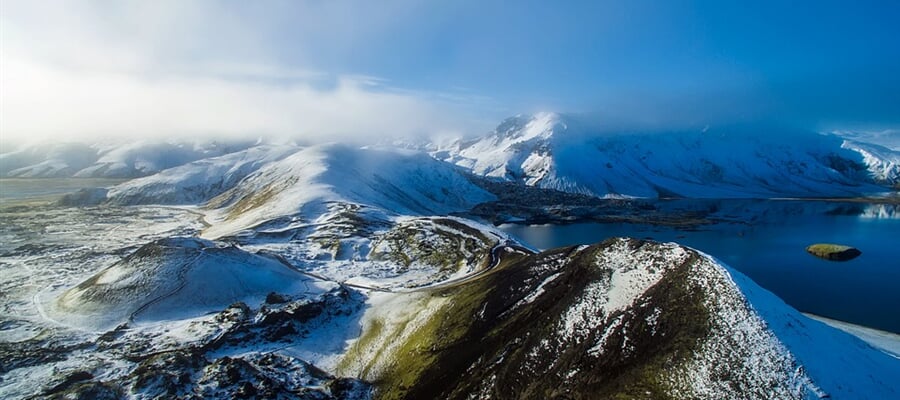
334 69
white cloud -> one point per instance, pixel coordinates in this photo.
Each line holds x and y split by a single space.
73 70
40 100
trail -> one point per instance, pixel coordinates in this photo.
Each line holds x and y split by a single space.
181 284
494 261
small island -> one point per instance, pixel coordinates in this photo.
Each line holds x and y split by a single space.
833 252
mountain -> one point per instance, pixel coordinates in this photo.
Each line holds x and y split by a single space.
559 152
173 279
198 181
881 161
889 138
399 182
620 319
262 183
107 159
47 160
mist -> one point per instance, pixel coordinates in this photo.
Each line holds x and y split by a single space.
42 102
339 71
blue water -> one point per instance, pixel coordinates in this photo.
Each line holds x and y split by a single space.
767 243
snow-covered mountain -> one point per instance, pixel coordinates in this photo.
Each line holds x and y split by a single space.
400 182
265 183
198 181
620 319
881 161
107 159
553 151
889 138
170 279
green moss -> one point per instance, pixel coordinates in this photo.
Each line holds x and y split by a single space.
445 250
247 202
252 201
482 333
833 252
424 352
330 244
367 340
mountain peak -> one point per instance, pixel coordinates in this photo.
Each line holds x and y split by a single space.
556 151
523 127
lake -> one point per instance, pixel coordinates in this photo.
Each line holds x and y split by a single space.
767 242
765 239
18 189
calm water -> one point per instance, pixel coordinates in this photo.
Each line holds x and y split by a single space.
15 189
769 246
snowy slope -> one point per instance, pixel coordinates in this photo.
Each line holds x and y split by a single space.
397 181
882 162
198 181
889 138
841 365
107 159
621 319
559 152
47 160
178 278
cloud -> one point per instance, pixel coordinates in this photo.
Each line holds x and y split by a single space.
43 101
73 71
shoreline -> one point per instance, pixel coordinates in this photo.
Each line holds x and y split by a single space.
885 341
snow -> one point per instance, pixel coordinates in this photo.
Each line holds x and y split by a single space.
493 156
777 352
198 181
740 339
882 162
840 364
400 182
56 160
364 247
115 159
631 273
889 138
538 291
558 152
882 340
399 315
175 279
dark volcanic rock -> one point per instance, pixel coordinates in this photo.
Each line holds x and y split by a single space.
621 319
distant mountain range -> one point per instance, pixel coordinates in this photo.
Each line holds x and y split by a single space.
125 160
545 150
553 151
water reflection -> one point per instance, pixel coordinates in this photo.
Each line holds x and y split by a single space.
881 211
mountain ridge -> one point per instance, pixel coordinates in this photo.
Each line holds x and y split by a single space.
561 152
625 317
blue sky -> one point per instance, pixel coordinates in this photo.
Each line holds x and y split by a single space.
406 67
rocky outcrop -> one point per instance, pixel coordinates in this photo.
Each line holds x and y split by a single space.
621 319
833 252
